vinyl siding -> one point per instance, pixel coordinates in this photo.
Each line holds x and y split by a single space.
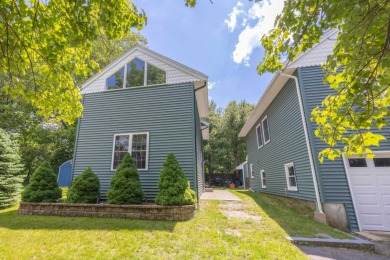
287 144
333 181
199 156
166 112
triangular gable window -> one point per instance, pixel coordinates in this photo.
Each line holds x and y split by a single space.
135 74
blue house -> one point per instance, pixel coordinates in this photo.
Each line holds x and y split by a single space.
282 150
147 105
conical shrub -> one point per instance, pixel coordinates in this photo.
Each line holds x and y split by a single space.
125 184
174 188
43 186
10 170
85 188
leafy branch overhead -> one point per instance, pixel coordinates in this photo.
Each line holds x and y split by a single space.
45 44
358 70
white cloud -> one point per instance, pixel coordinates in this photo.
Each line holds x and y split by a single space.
211 84
263 14
232 21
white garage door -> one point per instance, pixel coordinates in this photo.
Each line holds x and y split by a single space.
369 181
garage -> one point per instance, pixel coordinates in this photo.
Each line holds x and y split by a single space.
369 182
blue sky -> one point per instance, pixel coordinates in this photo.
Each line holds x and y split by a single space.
221 40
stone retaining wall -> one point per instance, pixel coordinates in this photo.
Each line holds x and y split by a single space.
148 212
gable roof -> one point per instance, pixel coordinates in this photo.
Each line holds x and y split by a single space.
175 73
317 55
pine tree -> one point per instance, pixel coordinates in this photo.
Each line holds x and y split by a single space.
43 186
85 188
174 188
10 169
125 184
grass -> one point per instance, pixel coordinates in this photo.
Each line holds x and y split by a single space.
294 217
209 235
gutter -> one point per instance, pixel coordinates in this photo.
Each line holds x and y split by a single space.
313 172
196 146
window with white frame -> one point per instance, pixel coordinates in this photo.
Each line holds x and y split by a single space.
259 136
265 127
263 179
251 170
291 177
135 74
137 144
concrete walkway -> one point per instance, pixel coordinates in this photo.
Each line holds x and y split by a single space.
219 195
327 253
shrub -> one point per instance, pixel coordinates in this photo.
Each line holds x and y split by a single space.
85 188
125 184
43 186
10 169
174 188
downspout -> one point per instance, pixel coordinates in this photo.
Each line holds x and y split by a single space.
313 172
196 146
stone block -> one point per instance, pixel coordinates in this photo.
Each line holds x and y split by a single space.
336 215
166 217
320 217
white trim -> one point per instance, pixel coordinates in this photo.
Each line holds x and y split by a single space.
308 146
130 147
257 136
262 179
290 188
262 126
251 170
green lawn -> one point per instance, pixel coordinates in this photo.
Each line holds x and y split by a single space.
209 235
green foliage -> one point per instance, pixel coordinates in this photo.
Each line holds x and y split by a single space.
10 168
225 150
45 43
43 186
358 70
174 188
85 188
125 184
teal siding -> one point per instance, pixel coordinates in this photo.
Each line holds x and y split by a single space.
166 112
332 178
199 156
287 145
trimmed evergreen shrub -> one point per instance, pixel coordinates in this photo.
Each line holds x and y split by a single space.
10 170
174 188
125 184
85 188
43 186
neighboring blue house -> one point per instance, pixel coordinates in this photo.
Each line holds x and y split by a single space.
282 150
148 105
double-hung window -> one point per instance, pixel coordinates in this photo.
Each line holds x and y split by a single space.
259 136
251 170
136 144
291 177
262 133
263 179
264 124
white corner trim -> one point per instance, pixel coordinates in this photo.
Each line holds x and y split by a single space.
308 146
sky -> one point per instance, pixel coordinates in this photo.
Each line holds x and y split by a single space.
220 39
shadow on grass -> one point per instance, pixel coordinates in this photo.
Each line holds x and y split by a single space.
10 219
294 216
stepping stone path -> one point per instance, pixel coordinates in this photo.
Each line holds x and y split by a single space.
234 209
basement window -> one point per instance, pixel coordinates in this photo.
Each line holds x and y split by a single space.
137 144
263 179
291 177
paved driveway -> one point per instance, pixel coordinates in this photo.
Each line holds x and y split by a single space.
327 253
219 195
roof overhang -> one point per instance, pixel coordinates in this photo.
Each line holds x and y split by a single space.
241 166
202 98
268 96
204 126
